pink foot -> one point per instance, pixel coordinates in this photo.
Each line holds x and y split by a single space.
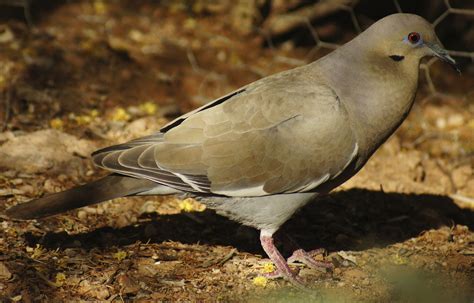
306 257
282 268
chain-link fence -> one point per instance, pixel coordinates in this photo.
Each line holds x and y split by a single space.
322 8
300 31
355 15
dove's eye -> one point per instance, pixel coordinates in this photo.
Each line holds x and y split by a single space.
414 37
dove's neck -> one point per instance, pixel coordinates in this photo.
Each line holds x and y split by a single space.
377 95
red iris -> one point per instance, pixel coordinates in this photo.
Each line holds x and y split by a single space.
414 38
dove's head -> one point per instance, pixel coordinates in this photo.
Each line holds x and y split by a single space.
405 39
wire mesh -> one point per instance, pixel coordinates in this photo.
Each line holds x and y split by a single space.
306 21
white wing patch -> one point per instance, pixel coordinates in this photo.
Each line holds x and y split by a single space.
188 181
312 185
159 190
243 192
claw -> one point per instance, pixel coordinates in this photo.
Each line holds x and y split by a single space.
306 258
282 268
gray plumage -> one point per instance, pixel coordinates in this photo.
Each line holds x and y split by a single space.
262 152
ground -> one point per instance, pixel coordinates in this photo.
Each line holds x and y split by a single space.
91 73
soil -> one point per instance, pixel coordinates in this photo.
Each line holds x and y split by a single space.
102 72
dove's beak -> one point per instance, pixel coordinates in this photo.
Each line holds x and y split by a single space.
443 54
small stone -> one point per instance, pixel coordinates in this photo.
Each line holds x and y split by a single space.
51 186
5 274
16 181
90 210
221 56
6 34
455 120
100 293
82 215
122 221
148 207
45 150
347 257
441 123
27 189
128 285
461 175
319 257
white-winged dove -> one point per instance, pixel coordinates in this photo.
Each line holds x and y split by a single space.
260 153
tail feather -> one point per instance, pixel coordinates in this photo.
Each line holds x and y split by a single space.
107 188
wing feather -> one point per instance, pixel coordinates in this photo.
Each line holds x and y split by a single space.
268 138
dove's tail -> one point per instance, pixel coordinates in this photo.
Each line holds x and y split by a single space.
107 188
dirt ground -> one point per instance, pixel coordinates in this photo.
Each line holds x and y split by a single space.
92 73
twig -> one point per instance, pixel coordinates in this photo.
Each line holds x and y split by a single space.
283 23
192 61
447 174
7 110
227 257
467 200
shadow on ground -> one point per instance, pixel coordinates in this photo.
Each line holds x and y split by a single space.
356 219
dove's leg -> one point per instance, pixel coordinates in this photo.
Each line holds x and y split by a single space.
306 257
282 268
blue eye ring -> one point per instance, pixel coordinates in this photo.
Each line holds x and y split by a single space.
414 38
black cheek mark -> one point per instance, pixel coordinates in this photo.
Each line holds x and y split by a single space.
397 58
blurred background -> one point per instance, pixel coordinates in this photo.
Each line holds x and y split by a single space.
82 74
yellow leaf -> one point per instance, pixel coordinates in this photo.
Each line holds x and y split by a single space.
260 281
60 279
186 206
83 120
471 123
120 114
3 80
100 7
120 255
268 267
149 108
56 123
94 113
190 23
37 252
189 205
399 260
135 35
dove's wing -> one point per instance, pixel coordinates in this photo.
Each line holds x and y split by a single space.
267 138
